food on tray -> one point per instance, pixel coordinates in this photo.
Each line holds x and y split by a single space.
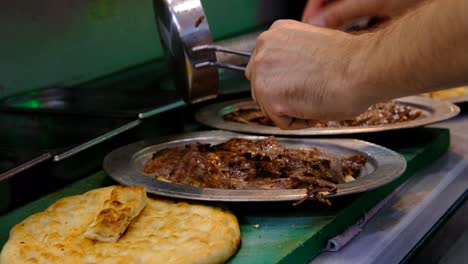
378 114
250 164
163 232
448 93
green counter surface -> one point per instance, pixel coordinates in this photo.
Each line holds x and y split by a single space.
280 232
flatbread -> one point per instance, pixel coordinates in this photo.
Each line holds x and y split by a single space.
451 93
164 232
123 205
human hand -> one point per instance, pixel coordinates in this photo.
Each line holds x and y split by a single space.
336 13
301 73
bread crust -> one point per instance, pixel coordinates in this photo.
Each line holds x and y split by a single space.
123 205
164 232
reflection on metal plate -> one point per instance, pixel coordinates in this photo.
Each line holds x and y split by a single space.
432 111
125 164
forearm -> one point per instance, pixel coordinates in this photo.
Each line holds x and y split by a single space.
422 51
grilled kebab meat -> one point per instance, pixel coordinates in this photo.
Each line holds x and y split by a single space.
249 164
379 114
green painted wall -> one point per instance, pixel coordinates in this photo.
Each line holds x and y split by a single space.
56 42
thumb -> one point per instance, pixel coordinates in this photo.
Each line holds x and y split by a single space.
291 123
339 13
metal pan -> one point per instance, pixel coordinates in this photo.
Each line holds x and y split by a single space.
192 56
125 164
432 111
182 25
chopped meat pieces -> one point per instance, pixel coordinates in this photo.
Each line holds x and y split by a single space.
378 114
254 164
187 165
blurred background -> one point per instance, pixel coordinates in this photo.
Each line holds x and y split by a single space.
61 43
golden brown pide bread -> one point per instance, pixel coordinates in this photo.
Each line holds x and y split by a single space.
140 230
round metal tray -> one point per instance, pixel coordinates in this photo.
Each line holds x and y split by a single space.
432 111
125 165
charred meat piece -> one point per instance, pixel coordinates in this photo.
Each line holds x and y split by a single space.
317 189
262 149
384 113
250 116
379 114
352 165
186 165
254 164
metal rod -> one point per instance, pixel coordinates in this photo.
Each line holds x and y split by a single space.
96 141
10 173
222 49
219 65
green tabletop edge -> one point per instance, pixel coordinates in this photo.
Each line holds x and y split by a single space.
302 244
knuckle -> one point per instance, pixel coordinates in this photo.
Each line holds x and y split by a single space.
260 59
261 40
281 23
247 75
277 24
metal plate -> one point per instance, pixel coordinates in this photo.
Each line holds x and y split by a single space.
125 164
457 100
432 111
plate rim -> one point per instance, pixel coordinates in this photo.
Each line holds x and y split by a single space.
444 110
118 164
456 100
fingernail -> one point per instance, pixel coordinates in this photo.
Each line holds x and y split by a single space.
318 21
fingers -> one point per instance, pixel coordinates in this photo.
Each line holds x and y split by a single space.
266 77
250 74
311 10
253 85
301 124
258 100
248 69
338 13
291 123
282 118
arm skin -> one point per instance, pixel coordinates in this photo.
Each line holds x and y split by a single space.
425 50
300 73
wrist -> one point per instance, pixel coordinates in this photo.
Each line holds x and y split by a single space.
387 69
364 71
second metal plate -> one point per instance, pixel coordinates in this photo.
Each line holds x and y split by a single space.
125 165
432 111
